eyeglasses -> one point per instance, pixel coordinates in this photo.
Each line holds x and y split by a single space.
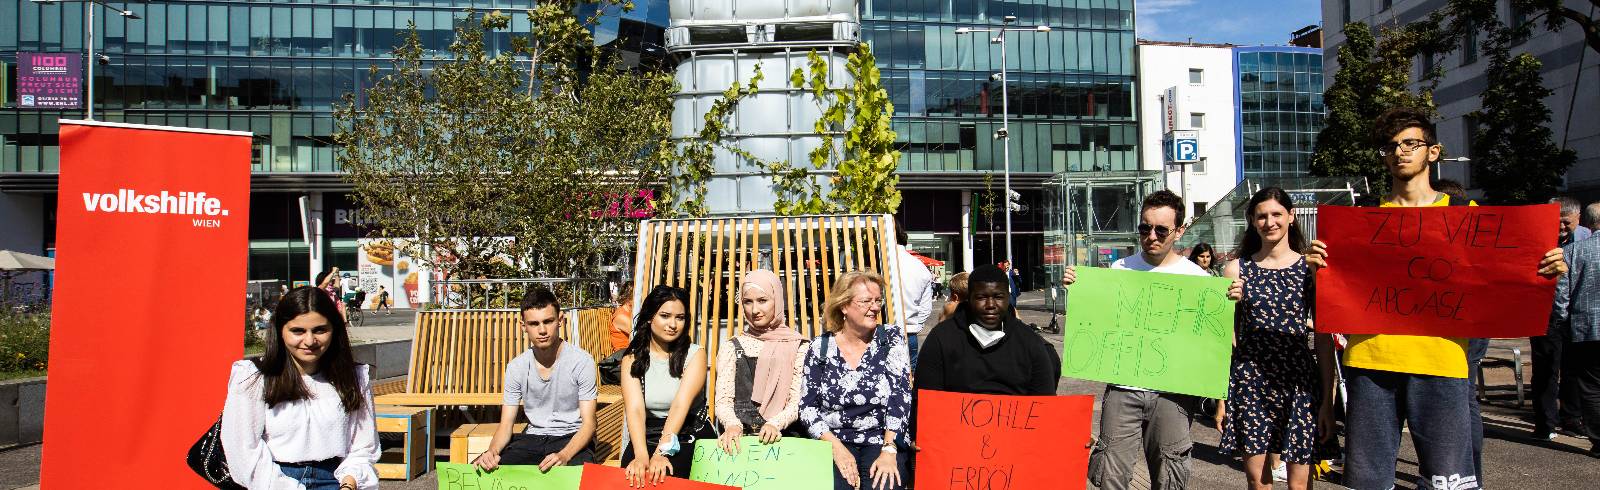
869 304
1161 231
1405 146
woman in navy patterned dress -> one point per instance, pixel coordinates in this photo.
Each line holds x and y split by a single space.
858 386
1276 400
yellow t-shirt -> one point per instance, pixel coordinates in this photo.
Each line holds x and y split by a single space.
1434 356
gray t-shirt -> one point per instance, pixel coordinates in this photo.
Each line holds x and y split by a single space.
551 404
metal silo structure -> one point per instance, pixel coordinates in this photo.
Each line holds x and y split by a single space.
719 43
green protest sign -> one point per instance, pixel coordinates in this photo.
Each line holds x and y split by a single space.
455 476
1164 332
791 463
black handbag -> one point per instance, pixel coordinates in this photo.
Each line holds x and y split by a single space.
207 459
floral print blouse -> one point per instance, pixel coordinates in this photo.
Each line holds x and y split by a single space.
857 405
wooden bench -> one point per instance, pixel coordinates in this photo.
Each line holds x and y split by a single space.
470 440
415 425
458 357
709 257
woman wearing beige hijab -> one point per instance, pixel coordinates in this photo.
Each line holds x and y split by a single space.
760 371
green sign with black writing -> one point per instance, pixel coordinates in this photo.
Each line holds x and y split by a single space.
791 463
454 476
1152 330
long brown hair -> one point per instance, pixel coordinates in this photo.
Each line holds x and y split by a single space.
1251 243
280 380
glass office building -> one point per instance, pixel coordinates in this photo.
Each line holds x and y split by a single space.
1071 94
1280 110
275 68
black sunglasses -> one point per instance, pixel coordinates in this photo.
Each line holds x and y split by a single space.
1161 231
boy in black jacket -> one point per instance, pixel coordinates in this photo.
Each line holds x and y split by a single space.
983 348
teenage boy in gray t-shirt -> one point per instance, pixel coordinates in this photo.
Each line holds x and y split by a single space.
555 383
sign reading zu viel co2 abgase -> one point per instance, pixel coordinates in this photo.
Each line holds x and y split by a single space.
49 80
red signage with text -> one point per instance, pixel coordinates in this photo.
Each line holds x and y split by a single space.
148 306
1000 442
1447 271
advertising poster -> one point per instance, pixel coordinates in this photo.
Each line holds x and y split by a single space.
383 262
49 80
149 304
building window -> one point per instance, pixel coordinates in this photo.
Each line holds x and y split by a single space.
1197 76
1386 5
1199 168
1197 120
1199 209
1469 125
1426 62
1469 46
1344 13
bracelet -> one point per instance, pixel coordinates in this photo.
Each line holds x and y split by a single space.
890 448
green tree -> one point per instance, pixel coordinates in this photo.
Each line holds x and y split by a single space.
1514 159
864 179
491 168
1374 76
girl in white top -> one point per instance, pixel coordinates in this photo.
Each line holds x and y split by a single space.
300 416
663 390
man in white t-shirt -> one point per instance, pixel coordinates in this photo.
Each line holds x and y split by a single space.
1136 421
916 292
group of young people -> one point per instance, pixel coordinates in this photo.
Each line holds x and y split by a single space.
301 414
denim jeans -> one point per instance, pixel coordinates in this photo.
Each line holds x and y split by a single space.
865 455
1476 350
911 345
1437 411
316 475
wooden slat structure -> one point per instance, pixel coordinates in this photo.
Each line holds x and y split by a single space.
458 357
709 256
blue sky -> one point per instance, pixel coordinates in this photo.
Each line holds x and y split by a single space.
1245 22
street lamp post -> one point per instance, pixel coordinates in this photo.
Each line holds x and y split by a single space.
88 103
1004 135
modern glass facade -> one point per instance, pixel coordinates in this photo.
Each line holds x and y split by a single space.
274 68
1071 89
1071 94
1280 110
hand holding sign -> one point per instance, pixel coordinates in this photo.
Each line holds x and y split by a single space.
1440 271
1152 330
599 477
993 442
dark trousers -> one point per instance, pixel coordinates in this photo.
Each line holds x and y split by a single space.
1436 410
1584 370
865 455
1476 350
1554 400
532 448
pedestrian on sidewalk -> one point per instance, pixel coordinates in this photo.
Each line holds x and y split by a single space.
1575 319
1280 397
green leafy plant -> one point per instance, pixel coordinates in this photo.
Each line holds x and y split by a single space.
1515 160
864 165
24 341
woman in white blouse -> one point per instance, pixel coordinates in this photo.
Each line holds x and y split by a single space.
300 416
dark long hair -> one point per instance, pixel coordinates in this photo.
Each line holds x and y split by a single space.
1252 238
1200 248
639 347
280 381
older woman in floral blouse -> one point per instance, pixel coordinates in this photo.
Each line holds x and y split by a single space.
858 387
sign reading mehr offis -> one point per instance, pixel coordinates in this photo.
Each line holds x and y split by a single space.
49 80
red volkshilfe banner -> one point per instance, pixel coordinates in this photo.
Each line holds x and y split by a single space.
149 300
973 441
1447 271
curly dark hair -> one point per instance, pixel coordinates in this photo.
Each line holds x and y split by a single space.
1164 199
1398 119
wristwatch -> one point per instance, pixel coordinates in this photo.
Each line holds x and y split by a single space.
669 449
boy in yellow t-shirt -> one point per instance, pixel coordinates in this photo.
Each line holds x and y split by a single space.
1414 380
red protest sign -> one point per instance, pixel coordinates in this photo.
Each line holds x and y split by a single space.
600 477
1000 442
151 241
1461 271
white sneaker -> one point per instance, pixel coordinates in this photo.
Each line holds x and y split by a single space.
1280 472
